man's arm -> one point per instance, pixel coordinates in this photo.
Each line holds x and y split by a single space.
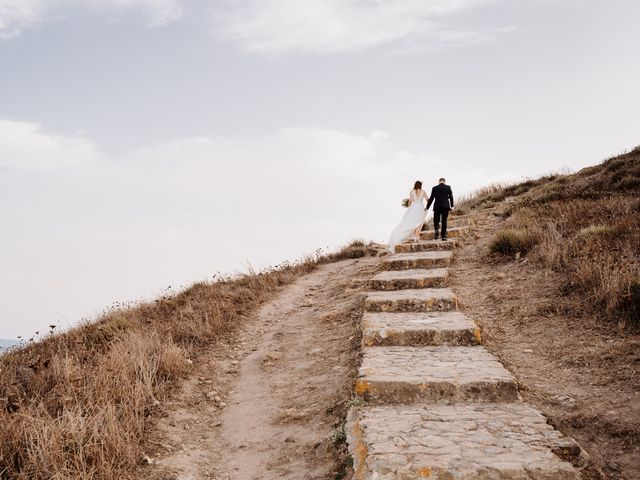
431 198
451 197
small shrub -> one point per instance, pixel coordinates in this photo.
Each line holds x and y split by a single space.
355 249
511 241
353 252
339 435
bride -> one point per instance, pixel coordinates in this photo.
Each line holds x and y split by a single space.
413 219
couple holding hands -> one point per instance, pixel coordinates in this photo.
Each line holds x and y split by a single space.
411 224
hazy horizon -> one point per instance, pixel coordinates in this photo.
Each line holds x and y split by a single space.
152 143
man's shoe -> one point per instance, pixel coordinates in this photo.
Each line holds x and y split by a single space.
444 239
435 237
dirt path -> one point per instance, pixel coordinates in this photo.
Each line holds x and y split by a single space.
266 403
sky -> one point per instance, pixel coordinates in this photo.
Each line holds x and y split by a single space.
148 144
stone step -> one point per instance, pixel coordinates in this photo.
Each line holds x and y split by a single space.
419 329
429 245
406 261
451 233
418 300
452 222
470 441
434 374
404 279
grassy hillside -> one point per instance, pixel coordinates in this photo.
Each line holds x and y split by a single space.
552 276
585 225
79 404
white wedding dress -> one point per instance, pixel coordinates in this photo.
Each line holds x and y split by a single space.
413 218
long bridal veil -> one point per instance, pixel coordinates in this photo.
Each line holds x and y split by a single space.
413 218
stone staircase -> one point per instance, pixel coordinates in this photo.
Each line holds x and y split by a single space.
435 403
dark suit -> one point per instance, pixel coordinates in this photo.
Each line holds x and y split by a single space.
442 199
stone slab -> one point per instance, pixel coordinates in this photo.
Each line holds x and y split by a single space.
453 221
470 442
406 261
426 246
418 329
433 374
428 227
405 279
454 232
415 300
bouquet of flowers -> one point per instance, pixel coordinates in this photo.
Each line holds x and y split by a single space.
405 203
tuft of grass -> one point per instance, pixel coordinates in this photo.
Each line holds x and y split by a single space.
512 241
355 249
339 435
592 230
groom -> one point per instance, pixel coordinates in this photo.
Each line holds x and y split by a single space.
442 199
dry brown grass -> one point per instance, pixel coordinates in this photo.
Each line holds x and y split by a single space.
573 301
600 260
489 196
77 405
479 198
586 226
510 241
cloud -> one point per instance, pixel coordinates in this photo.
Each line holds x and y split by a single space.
19 15
288 26
309 26
161 12
25 147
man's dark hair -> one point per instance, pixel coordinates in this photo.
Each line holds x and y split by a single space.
442 180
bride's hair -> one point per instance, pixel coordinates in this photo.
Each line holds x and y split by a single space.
417 185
